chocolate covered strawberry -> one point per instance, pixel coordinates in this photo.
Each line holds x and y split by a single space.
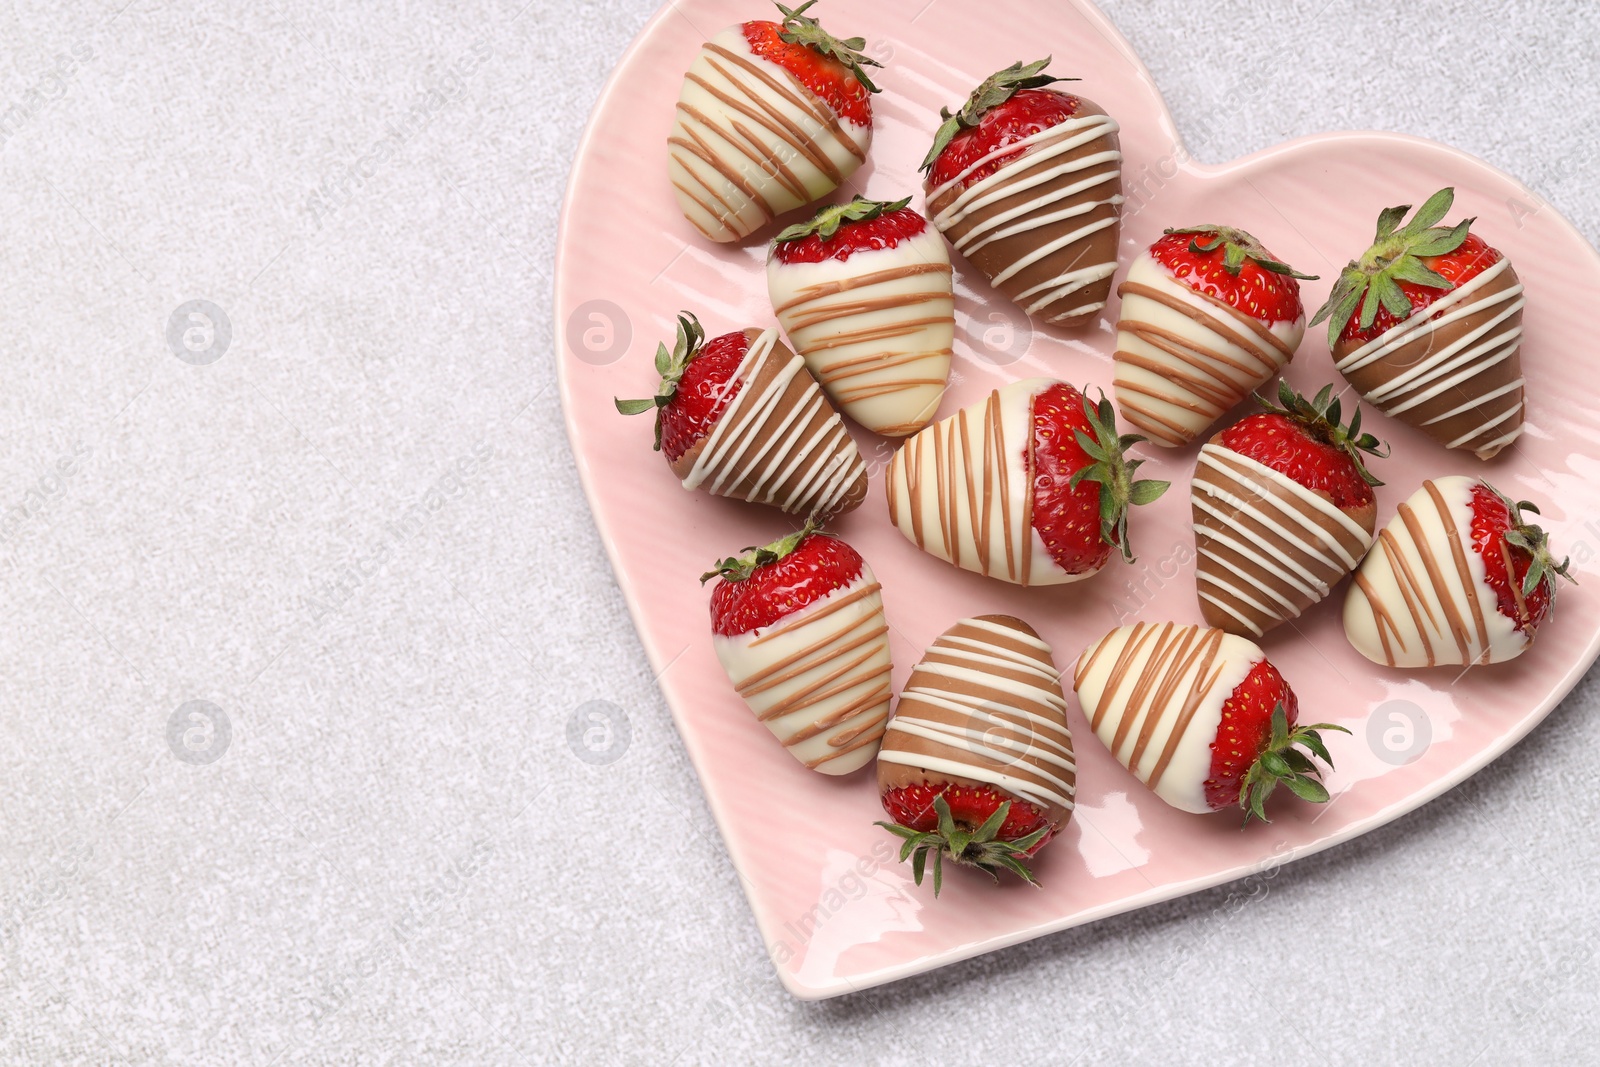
798 626
1459 577
1427 324
1200 717
740 416
977 765
1208 316
1026 182
772 116
1283 510
1029 485
864 292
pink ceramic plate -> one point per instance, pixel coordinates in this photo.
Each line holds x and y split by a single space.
836 912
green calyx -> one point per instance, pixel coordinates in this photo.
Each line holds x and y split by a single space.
1111 467
797 28
1373 281
739 568
826 222
995 90
1238 248
1281 762
978 848
670 365
1322 416
1535 542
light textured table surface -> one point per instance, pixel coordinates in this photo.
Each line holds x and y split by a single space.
351 525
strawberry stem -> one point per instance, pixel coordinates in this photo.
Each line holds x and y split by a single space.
1321 417
1238 247
1396 256
1534 541
826 222
978 848
993 91
670 365
1281 762
739 568
1114 471
797 28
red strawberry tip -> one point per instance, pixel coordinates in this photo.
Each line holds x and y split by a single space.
1119 490
993 91
1533 540
740 568
798 28
670 365
1281 762
825 224
1322 418
979 847
1396 255
1238 246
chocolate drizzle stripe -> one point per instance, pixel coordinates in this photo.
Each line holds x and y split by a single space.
832 677
1444 353
1382 620
978 722
769 119
792 91
822 290
1208 671
833 603
1411 592
1458 555
1205 374
837 645
1430 563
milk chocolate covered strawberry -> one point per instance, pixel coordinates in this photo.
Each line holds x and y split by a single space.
772 116
798 625
977 765
1030 485
1026 182
740 416
864 292
1208 316
1427 324
1283 510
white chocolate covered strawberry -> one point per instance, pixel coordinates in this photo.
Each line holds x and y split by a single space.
1208 316
772 116
1458 577
798 625
864 292
1029 485
1200 717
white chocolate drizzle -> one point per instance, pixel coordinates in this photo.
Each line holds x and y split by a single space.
983 710
755 443
1032 162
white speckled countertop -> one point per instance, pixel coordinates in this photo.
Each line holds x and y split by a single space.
334 503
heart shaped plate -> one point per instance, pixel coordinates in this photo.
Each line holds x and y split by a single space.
836 912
